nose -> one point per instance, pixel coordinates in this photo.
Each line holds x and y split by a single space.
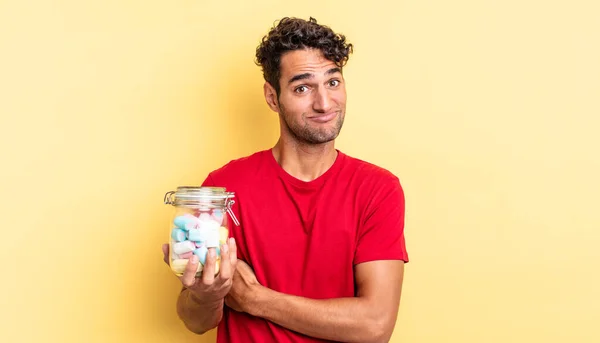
322 101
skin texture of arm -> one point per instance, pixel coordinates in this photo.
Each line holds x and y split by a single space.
369 317
198 316
200 303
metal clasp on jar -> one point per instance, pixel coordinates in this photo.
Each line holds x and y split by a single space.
169 198
230 203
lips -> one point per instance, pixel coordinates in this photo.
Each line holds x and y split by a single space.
323 118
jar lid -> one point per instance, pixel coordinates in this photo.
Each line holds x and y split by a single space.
202 197
191 194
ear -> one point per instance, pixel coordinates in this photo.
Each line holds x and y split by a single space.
271 97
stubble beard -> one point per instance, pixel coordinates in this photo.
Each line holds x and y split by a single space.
311 135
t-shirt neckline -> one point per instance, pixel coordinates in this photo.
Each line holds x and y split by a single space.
318 182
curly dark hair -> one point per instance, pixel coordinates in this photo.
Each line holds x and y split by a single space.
294 34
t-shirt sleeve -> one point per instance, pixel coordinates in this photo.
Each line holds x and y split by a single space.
381 234
208 182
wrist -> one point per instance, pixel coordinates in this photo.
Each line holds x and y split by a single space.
257 302
205 303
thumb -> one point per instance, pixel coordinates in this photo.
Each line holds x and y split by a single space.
165 250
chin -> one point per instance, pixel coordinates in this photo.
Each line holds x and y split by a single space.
322 139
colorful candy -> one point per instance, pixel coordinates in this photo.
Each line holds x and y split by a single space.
183 247
178 235
194 235
213 238
185 221
186 255
201 253
178 266
218 216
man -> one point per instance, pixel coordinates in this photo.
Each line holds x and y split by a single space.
320 252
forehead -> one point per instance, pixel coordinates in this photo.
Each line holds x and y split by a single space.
304 61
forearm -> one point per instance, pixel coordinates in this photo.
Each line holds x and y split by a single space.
197 316
340 319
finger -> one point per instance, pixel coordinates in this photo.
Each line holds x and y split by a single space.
232 251
165 250
208 274
189 274
225 270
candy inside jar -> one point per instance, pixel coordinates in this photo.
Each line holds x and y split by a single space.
198 224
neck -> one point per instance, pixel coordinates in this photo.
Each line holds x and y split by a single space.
305 162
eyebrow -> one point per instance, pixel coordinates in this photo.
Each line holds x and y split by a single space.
310 75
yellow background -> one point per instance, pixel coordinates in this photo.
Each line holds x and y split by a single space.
488 111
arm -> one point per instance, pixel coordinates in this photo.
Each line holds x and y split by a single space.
198 316
368 317
379 261
204 312
200 303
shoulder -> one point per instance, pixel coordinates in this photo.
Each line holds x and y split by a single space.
369 172
371 184
240 168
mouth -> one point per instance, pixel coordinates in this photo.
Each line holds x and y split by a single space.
324 118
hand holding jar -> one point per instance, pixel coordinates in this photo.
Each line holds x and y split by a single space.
200 250
211 286
199 224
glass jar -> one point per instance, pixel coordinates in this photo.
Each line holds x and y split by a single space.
198 223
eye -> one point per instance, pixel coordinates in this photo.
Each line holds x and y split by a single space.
301 89
334 83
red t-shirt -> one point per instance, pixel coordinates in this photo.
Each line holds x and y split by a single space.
304 238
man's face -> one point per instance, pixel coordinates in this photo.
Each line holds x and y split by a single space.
312 100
